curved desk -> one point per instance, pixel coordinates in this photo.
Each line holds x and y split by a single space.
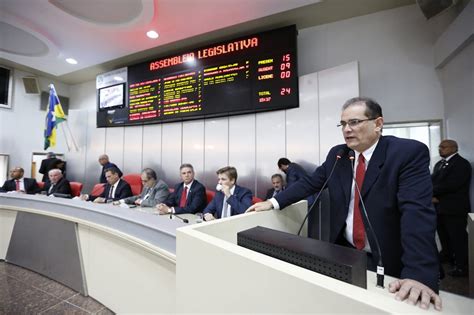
124 258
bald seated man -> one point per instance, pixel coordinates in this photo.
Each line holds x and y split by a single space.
19 183
106 164
57 184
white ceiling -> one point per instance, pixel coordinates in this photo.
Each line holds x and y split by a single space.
38 35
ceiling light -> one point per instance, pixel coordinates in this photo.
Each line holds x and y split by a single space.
152 34
72 61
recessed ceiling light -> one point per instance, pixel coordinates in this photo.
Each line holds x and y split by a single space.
71 61
152 34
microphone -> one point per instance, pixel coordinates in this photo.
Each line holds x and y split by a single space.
182 219
339 155
380 268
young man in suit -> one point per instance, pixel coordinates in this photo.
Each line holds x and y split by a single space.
115 189
394 180
230 199
451 180
19 183
57 184
278 186
189 196
154 191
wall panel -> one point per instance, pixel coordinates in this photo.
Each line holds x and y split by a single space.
151 154
302 133
133 148
216 144
193 146
95 146
241 138
270 146
76 160
171 152
114 145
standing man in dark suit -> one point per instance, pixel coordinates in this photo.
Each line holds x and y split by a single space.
278 187
106 164
189 196
451 179
293 171
57 184
394 180
230 199
115 189
19 183
47 165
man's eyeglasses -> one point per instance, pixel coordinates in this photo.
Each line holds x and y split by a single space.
352 122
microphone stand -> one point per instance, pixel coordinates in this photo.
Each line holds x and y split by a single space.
380 268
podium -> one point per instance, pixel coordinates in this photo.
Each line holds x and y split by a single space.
214 274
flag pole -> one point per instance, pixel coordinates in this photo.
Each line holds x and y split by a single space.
72 137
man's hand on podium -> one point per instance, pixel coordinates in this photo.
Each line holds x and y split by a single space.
260 206
412 291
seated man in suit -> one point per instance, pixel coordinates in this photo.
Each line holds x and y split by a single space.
154 191
189 196
230 198
277 182
19 183
115 189
57 184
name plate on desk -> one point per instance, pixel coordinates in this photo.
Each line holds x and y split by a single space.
342 263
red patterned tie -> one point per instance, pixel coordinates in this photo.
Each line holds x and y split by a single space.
184 194
358 232
17 182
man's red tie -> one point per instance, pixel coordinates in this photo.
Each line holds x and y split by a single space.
17 183
184 194
358 232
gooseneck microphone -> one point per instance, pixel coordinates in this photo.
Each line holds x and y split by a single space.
339 155
380 268
182 219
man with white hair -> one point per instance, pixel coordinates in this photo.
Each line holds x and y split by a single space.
57 183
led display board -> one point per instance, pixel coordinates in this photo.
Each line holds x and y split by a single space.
255 73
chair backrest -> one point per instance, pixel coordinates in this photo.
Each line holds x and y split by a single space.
41 185
76 188
135 182
255 199
97 189
210 195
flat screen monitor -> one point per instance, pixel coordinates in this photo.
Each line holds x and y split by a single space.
111 97
249 74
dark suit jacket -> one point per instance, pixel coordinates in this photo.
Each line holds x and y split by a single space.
122 191
294 173
451 186
271 191
106 166
397 194
46 166
240 201
196 201
31 187
62 187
